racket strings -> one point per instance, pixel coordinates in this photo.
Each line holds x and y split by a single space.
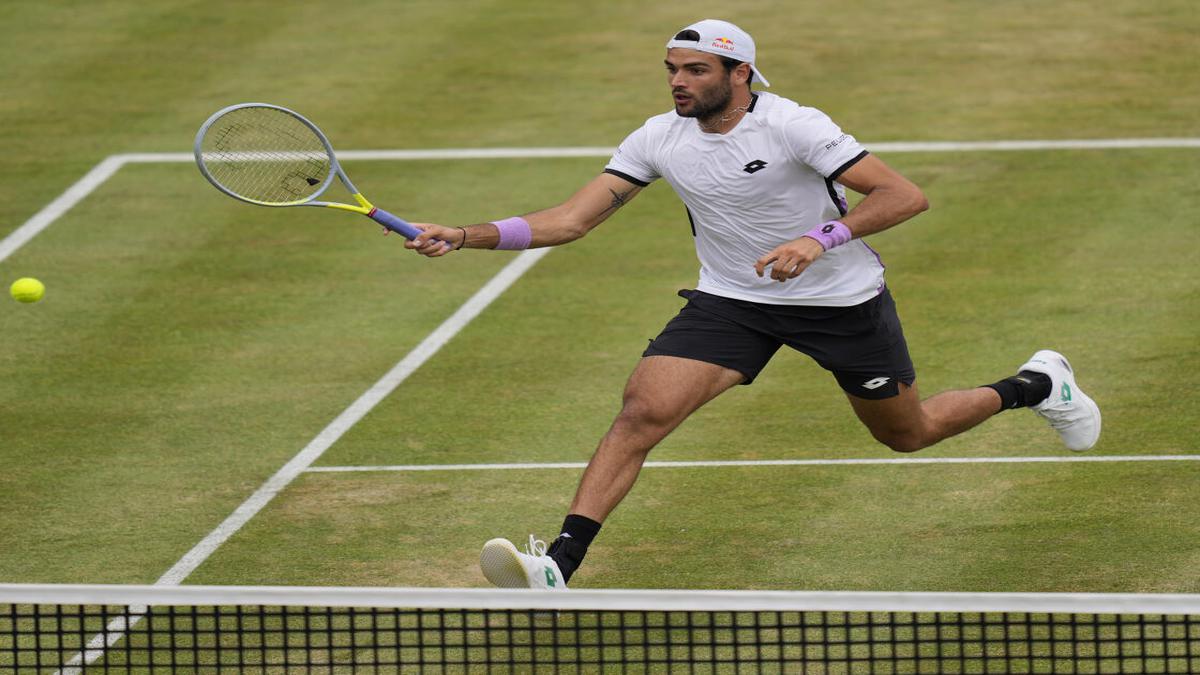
266 155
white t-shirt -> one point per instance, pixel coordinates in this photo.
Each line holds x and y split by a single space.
766 182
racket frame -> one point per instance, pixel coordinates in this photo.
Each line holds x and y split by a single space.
363 206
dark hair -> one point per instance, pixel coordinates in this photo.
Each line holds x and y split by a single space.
730 64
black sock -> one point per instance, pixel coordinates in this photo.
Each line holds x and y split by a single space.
1024 389
572 544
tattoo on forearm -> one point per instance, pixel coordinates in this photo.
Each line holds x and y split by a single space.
618 200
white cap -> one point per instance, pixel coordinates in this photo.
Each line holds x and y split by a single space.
723 39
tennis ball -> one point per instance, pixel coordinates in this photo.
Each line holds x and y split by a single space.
27 289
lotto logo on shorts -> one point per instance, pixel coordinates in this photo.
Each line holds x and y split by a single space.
876 383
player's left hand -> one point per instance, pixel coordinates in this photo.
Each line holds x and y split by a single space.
788 260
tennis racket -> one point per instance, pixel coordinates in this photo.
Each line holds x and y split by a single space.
271 156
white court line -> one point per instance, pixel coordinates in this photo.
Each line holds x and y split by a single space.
763 462
63 203
597 151
351 415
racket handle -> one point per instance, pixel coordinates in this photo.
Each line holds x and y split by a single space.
393 223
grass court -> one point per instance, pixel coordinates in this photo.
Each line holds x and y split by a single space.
189 346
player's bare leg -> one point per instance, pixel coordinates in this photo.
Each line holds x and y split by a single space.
660 394
905 423
1045 384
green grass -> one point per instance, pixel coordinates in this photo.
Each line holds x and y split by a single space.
189 346
902 528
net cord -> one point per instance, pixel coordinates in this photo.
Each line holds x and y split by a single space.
630 600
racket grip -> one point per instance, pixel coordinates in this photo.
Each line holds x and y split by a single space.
393 223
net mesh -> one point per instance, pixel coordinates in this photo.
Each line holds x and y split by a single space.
265 155
288 638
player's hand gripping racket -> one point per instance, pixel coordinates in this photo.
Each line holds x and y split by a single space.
271 156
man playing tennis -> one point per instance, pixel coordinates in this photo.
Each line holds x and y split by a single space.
782 262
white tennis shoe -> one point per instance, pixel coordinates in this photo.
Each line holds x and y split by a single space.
506 567
1072 413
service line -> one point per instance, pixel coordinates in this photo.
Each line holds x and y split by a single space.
761 462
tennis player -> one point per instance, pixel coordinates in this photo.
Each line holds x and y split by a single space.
783 262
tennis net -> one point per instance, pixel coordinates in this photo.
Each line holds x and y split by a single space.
73 629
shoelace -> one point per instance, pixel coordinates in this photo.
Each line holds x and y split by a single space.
535 547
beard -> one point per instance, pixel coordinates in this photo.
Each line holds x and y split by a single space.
709 104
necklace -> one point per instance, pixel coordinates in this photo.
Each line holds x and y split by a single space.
713 128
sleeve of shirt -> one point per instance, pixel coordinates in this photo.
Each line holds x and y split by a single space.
632 161
817 141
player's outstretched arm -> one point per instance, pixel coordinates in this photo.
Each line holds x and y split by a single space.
568 221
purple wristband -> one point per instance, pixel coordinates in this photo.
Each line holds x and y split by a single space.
828 235
514 233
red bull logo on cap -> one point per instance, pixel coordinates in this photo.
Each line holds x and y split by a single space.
723 43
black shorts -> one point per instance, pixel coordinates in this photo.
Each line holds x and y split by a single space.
861 345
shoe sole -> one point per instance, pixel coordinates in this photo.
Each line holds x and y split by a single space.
501 566
1085 400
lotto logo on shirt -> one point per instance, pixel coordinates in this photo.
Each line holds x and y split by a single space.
723 43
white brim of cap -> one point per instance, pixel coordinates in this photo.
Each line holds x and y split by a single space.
689 44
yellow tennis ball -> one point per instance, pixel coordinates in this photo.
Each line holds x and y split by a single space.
27 289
